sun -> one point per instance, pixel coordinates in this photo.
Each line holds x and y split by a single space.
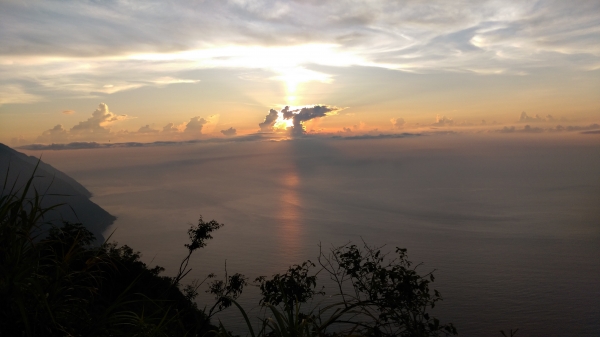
294 76
283 124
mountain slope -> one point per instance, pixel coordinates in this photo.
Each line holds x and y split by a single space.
58 188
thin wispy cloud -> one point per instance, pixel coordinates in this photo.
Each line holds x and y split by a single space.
106 47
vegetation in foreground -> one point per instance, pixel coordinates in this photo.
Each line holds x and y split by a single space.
57 283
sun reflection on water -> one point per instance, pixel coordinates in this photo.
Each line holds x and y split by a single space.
290 228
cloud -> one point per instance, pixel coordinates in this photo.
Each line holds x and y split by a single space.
559 128
529 129
147 130
18 141
96 145
194 126
15 94
569 128
506 129
397 123
267 125
305 114
96 128
527 119
81 48
287 113
68 112
525 129
97 124
443 121
93 128
379 136
229 132
55 135
170 128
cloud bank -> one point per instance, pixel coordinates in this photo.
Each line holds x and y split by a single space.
98 128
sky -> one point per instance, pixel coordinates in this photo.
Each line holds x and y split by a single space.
146 71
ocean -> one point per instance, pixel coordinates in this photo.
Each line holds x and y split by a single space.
509 223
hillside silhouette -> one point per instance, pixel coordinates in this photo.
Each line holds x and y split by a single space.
58 188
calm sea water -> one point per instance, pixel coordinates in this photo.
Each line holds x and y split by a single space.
510 224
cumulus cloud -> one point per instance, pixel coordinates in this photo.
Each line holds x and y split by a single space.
397 123
95 127
18 141
194 126
98 122
527 119
229 132
270 119
297 116
170 128
443 121
54 135
147 130
287 113
306 114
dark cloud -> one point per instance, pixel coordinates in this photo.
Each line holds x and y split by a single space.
287 113
306 114
506 129
267 125
559 128
379 136
68 146
229 132
530 129
298 117
576 127
96 145
525 129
